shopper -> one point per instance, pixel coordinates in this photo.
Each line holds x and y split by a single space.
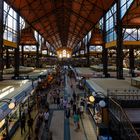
29 111
58 101
67 112
46 118
29 137
30 124
74 96
74 108
71 102
61 102
3 136
22 123
76 119
49 135
65 103
54 96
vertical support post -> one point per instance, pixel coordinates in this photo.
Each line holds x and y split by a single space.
20 112
22 55
119 58
79 49
131 61
7 57
88 52
28 102
37 52
48 52
1 38
17 59
105 50
84 48
42 42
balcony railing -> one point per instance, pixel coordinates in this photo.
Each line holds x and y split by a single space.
127 127
124 94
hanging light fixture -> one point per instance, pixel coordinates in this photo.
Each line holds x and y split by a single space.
96 37
27 36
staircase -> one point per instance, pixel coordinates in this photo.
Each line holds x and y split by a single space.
127 130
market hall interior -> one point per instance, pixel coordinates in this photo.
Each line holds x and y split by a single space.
69 69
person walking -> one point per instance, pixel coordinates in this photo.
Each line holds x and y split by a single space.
46 118
74 108
65 103
22 123
3 136
74 96
71 102
61 102
58 102
67 112
30 124
76 119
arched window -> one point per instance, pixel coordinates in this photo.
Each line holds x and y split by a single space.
64 53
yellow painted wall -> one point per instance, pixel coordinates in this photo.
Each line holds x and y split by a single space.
110 44
125 43
10 44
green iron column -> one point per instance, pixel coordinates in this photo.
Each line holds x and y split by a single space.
84 48
22 55
1 38
17 58
37 53
131 61
105 50
88 52
79 49
7 57
119 57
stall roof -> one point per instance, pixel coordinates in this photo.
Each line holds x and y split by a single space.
63 23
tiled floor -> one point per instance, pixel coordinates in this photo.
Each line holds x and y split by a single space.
87 131
57 125
88 128
76 134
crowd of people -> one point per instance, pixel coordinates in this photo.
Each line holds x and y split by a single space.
73 106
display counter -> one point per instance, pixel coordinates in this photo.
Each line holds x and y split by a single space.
10 118
97 108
